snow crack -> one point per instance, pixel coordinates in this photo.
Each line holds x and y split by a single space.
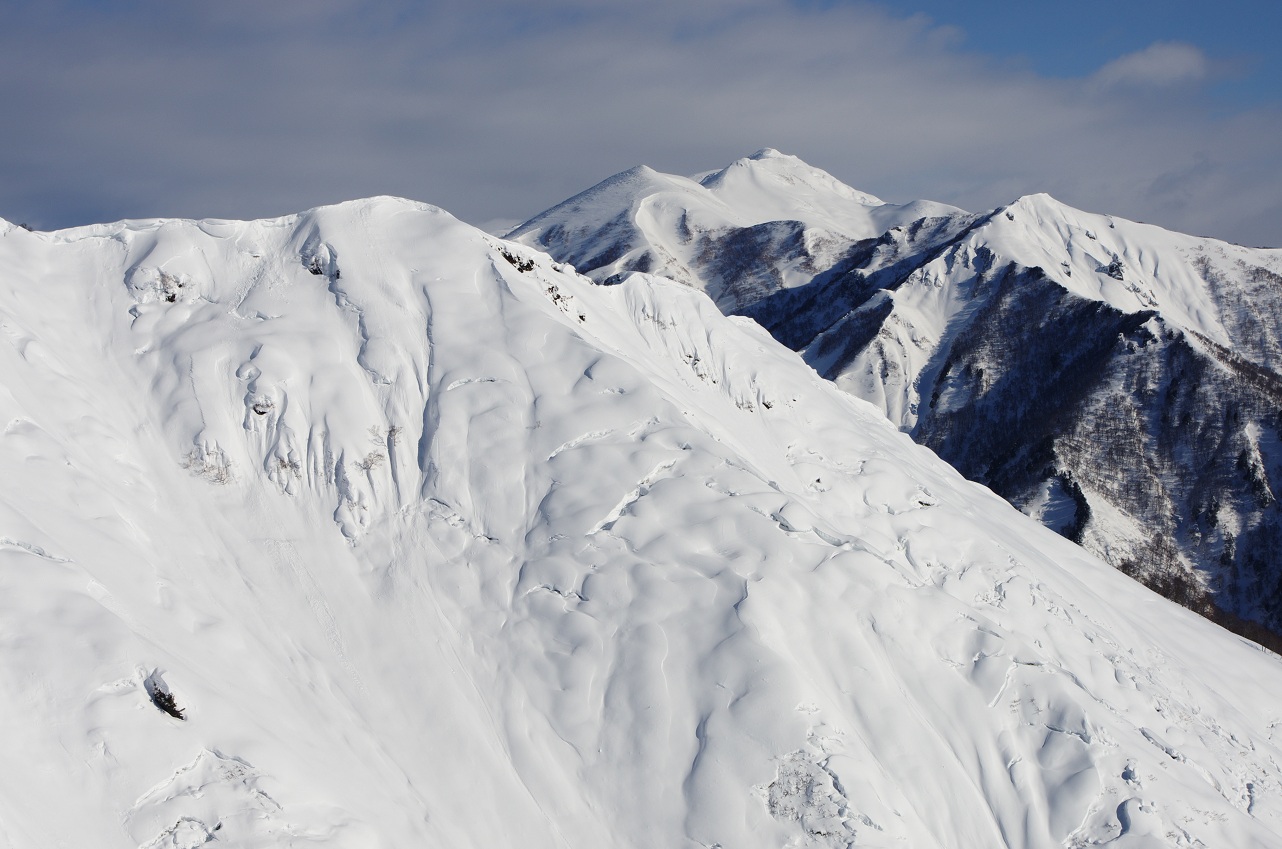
633 496
32 549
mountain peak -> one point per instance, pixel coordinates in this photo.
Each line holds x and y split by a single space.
608 197
769 170
766 203
1037 198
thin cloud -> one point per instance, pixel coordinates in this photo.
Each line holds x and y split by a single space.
498 110
1158 65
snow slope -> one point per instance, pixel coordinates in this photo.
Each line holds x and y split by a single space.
1193 284
436 543
711 233
1118 381
1134 370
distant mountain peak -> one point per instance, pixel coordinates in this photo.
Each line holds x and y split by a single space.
768 171
771 202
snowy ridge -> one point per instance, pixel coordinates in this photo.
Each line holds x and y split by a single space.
433 542
1034 346
641 220
1134 268
1128 265
1133 370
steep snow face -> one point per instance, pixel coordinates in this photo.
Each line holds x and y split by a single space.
764 223
1016 344
1223 293
1044 348
1136 267
361 527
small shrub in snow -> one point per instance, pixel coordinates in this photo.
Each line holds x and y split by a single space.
165 701
520 264
372 460
289 465
378 436
161 697
212 464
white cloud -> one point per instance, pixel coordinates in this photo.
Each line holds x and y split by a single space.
498 109
1158 65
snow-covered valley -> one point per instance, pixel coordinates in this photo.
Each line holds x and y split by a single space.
433 542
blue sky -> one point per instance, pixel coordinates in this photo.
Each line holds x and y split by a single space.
496 109
1070 40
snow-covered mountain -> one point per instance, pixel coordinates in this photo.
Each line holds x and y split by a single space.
763 224
1118 381
363 528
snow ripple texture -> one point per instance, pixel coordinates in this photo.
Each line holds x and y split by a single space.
435 543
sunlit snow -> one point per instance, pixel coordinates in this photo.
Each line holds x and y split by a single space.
434 543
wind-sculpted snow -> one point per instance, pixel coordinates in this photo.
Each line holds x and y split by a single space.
428 541
1011 343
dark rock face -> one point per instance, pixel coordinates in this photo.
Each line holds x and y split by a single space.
1168 445
1120 426
1018 374
1043 386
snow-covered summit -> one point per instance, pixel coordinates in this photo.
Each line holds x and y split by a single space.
755 182
1128 265
1116 379
766 204
363 527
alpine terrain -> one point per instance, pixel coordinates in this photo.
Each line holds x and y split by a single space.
1119 382
363 528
